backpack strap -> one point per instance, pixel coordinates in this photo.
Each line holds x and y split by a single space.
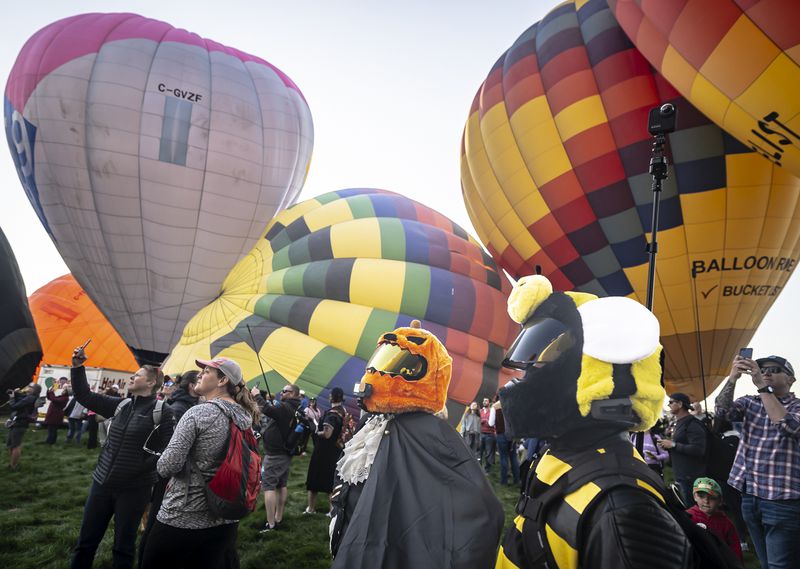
122 404
159 407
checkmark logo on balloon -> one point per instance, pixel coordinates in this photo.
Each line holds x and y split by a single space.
705 294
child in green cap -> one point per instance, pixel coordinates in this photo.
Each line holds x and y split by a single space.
707 512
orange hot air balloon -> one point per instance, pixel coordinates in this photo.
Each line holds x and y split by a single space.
554 171
66 317
738 61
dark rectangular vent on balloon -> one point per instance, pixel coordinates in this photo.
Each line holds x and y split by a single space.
175 131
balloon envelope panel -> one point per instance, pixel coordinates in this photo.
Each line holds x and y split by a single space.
737 61
20 349
128 135
555 160
334 273
66 317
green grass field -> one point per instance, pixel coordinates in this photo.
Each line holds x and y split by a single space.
41 506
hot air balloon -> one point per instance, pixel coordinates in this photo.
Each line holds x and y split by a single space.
66 317
738 62
554 167
20 350
334 273
128 135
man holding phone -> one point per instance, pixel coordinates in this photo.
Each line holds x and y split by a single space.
125 472
767 465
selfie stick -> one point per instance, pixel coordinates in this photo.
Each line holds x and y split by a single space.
658 124
258 356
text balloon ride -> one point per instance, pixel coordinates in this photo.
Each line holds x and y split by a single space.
129 135
554 167
66 317
20 349
334 273
737 61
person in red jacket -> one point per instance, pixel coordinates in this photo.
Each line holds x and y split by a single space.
707 513
58 396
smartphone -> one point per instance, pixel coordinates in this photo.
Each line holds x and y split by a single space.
83 347
746 353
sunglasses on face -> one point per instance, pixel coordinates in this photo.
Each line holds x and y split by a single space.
286 390
772 369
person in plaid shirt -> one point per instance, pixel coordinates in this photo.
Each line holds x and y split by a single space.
767 465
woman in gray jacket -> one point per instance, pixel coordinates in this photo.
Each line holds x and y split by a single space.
186 534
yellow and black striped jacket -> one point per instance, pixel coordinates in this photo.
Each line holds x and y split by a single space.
565 487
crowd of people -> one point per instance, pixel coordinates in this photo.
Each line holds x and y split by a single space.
162 446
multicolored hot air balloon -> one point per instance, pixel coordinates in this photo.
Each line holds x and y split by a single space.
554 168
66 317
20 350
737 61
334 273
154 158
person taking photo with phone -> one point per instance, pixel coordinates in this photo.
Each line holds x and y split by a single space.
766 469
123 479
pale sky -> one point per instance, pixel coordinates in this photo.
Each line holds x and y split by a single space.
389 85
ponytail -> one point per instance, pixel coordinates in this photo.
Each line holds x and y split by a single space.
245 399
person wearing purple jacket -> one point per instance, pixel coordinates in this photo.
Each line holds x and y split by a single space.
767 465
654 455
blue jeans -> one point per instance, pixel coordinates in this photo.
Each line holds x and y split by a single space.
471 439
507 454
126 505
488 446
774 526
74 429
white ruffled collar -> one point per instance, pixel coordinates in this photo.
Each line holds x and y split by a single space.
360 451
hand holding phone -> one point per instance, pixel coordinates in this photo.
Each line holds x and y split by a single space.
739 366
79 354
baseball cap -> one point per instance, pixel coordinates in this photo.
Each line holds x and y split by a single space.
229 368
707 485
683 398
783 362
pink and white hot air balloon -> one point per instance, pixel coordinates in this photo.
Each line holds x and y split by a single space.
154 158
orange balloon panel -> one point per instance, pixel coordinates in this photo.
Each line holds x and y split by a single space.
554 171
738 61
66 317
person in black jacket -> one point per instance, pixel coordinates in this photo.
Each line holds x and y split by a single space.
184 395
181 400
275 468
125 472
687 449
23 404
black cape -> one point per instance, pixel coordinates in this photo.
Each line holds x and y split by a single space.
426 504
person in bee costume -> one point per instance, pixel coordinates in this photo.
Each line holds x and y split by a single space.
409 492
592 373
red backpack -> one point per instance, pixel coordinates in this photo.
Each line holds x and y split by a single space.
234 490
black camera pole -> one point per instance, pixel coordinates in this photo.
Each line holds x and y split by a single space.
659 172
660 121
